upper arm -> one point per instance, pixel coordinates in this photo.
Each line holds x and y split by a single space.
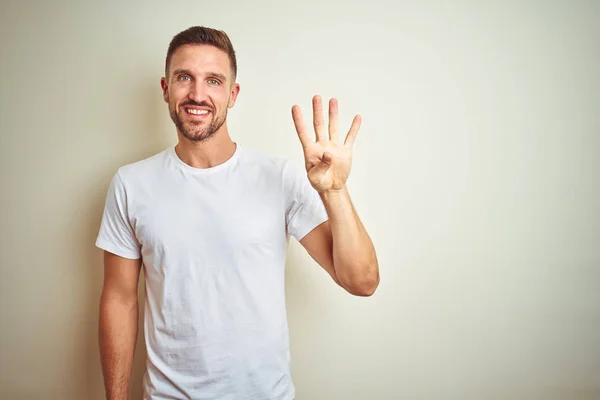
307 219
121 276
319 245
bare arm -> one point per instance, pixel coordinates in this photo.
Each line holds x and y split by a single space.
354 258
343 247
118 323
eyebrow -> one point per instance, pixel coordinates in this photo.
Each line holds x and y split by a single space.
188 72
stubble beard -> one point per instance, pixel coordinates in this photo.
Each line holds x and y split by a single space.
197 131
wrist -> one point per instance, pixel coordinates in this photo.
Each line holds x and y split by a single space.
332 194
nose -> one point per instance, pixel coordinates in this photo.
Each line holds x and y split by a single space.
197 92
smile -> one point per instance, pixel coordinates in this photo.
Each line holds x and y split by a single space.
196 112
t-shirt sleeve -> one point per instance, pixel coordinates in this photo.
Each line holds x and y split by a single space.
116 233
305 209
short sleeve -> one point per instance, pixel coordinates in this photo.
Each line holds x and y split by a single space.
116 233
304 209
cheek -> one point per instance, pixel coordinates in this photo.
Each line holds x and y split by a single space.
176 94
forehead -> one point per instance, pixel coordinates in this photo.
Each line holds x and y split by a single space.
199 58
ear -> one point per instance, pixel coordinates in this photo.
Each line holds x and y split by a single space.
165 89
235 90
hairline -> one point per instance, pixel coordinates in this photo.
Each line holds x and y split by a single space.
168 67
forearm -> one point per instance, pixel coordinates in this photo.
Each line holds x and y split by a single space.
354 257
117 338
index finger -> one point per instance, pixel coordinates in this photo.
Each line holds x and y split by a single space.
353 131
300 127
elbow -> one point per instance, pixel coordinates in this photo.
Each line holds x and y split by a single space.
363 286
365 289
115 300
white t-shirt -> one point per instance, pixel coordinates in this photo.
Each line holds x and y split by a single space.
213 243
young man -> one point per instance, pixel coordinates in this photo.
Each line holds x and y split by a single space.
210 220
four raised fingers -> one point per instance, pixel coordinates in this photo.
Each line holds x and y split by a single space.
319 124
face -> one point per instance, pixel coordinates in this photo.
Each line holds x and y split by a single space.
199 89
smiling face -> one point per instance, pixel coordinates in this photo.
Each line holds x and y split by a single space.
199 88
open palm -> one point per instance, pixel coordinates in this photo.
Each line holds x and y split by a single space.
328 162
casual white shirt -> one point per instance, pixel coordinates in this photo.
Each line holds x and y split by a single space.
213 244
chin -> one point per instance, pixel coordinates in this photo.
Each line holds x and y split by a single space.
199 137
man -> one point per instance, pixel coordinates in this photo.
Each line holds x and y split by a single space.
210 220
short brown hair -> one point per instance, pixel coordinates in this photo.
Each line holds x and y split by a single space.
203 35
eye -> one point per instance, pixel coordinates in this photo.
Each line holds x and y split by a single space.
183 77
213 82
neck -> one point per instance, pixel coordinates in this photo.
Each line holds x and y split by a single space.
206 154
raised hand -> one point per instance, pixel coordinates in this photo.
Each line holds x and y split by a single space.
328 162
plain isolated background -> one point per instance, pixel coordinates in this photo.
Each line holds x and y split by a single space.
476 172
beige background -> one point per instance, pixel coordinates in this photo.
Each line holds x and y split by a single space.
476 173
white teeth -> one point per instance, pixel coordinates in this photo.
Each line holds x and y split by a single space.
197 112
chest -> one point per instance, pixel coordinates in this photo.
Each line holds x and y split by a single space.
209 222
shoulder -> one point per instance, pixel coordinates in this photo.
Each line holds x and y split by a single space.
141 169
251 155
278 170
267 163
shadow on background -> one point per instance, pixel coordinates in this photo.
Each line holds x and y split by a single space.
146 131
